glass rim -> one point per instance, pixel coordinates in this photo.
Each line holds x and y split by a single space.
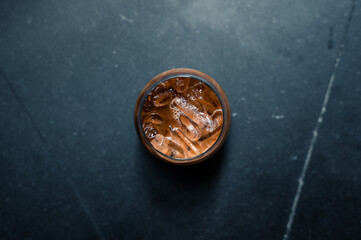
168 77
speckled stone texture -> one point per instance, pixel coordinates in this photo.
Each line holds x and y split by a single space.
72 166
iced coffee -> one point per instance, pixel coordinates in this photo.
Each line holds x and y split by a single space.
182 117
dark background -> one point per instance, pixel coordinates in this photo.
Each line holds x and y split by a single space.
72 166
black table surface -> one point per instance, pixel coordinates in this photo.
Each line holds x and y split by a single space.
72 166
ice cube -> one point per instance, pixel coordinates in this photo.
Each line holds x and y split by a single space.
149 130
167 146
181 84
190 148
197 90
153 118
201 119
161 96
208 140
191 130
217 118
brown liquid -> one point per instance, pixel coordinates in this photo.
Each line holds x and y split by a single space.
182 117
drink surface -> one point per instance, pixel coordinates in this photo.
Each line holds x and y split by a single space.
182 117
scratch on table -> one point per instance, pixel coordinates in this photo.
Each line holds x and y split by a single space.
52 155
318 124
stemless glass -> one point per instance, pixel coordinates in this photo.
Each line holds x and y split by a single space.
188 73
